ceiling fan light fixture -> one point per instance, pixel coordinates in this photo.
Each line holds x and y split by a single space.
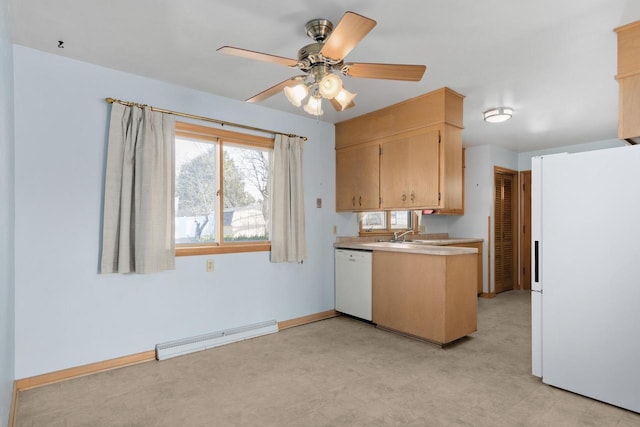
345 98
323 61
498 115
330 86
296 94
314 106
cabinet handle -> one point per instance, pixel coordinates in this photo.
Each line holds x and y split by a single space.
353 201
413 197
404 197
360 200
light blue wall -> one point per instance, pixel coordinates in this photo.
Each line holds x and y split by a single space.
478 184
7 289
69 315
478 190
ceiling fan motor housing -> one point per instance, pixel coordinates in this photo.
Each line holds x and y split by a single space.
319 29
310 56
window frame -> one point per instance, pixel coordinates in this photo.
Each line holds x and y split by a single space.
219 137
388 230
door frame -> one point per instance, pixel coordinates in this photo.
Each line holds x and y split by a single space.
515 209
525 224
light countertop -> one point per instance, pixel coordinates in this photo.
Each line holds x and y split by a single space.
424 247
447 241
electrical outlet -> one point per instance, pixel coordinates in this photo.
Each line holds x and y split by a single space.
209 265
318 203
335 229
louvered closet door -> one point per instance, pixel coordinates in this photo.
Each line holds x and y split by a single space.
505 220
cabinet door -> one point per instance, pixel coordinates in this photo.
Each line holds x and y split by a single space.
357 178
410 171
394 179
424 169
629 121
409 293
478 246
447 188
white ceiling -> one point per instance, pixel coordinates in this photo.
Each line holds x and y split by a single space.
553 61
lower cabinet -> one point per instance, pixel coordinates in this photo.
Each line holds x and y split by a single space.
431 297
478 246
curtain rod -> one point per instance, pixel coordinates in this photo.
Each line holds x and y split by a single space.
205 119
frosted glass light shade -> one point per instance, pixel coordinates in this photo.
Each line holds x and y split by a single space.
330 86
314 106
296 94
345 98
497 115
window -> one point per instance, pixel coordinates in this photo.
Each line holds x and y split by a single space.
385 222
222 191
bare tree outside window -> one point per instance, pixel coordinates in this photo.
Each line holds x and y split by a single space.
244 188
248 220
196 187
255 167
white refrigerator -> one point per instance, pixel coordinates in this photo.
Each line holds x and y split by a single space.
585 300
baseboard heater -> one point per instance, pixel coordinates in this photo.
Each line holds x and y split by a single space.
175 348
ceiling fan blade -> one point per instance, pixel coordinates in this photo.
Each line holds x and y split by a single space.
275 89
384 71
250 54
350 30
338 107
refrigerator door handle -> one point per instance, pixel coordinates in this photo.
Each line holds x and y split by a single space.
536 261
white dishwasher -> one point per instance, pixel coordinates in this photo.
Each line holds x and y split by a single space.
353 283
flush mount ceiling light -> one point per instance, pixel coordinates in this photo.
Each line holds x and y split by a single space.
497 115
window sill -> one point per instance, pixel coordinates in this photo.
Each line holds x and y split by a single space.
228 248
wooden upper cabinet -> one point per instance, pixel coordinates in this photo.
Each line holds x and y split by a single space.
629 80
357 179
451 170
628 49
434 108
421 162
410 171
629 107
454 208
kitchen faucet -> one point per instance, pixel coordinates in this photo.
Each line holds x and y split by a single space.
397 236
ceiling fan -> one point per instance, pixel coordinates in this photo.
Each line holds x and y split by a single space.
320 60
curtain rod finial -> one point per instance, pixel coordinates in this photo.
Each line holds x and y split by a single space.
110 100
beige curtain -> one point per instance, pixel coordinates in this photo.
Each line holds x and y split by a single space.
138 223
288 242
